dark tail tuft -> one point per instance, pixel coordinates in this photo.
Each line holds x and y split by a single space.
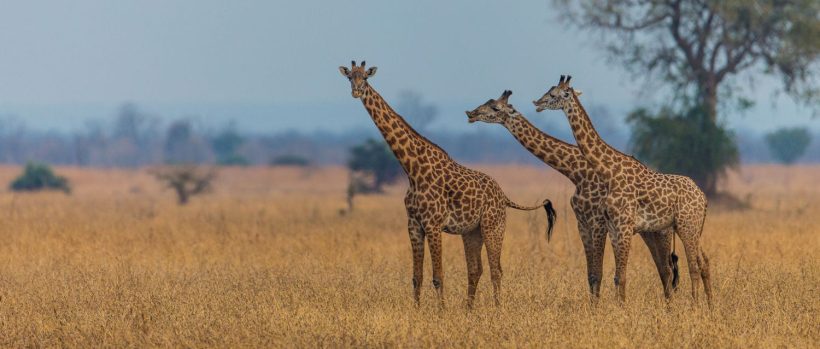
551 219
673 261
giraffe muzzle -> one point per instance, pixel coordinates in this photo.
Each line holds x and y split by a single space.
470 118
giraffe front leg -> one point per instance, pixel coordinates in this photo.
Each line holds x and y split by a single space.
417 243
595 267
472 251
621 230
587 232
434 243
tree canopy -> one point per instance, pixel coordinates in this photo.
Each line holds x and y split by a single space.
696 45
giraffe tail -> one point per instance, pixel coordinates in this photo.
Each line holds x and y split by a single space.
547 205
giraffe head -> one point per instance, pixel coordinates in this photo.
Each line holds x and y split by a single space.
557 97
493 111
357 76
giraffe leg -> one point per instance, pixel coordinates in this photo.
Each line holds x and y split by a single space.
659 244
492 229
706 276
691 243
472 251
621 228
434 243
593 236
417 243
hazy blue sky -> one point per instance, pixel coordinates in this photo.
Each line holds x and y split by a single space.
272 65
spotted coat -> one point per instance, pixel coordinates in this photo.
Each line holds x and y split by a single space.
638 199
443 196
590 191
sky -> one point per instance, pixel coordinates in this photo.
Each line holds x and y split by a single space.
272 66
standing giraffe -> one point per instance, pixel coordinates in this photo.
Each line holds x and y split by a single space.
589 191
638 199
443 196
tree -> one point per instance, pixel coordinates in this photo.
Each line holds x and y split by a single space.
132 135
185 180
38 177
417 113
788 144
698 46
375 159
709 149
182 146
226 146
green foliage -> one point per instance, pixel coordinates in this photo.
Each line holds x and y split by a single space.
289 160
226 145
375 159
788 144
687 144
37 177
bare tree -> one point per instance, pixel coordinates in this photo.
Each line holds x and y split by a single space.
185 180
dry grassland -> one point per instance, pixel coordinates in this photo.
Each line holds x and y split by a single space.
267 261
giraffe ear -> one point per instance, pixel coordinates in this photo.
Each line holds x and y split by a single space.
345 72
577 92
371 71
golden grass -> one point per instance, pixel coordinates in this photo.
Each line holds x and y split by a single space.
267 261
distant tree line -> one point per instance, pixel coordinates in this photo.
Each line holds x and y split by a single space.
135 138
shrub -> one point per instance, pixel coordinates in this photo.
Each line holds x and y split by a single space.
37 177
289 160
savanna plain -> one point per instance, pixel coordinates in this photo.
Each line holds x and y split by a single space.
268 259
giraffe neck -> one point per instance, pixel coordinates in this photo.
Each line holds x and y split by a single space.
559 155
407 145
599 154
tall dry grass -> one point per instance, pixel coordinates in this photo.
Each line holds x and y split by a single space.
267 261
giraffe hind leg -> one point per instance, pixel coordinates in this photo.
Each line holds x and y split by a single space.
659 245
492 230
705 276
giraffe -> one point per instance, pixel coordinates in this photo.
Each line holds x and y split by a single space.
638 199
589 191
443 196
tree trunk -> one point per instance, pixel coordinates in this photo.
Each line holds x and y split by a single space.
182 195
708 101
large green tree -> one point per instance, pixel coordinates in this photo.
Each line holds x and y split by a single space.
700 48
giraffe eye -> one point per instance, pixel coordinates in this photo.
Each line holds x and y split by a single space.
495 108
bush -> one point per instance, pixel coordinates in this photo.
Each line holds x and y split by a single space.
788 144
374 158
686 144
37 177
289 160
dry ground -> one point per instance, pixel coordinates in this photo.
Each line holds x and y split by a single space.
267 261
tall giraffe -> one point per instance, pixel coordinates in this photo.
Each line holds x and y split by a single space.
638 199
443 196
589 191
